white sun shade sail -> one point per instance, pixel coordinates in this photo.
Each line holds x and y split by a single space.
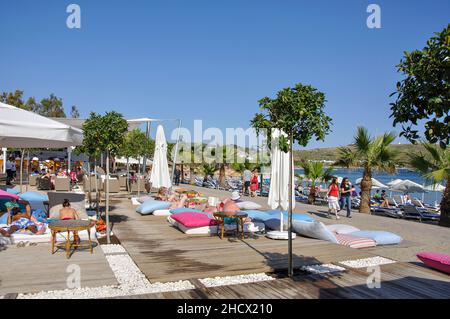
392 183
23 129
376 184
408 187
160 176
435 188
279 178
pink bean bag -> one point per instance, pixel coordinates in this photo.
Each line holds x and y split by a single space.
192 220
436 261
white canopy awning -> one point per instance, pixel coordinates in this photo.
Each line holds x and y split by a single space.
408 187
24 129
376 184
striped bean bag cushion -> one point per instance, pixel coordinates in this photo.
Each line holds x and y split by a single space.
355 242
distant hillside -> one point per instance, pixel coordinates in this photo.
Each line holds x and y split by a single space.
332 153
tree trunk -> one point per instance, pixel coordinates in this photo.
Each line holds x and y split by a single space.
222 183
291 176
312 195
445 206
366 187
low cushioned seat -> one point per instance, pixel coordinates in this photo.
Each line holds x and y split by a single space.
250 227
313 229
342 229
436 261
355 242
150 206
34 197
4 219
258 215
191 220
248 205
13 191
143 199
380 237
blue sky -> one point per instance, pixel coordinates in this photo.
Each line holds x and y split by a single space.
213 60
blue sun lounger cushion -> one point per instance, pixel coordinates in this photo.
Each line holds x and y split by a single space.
276 214
314 229
34 197
380 237
13 191
4 219
184 210
150 206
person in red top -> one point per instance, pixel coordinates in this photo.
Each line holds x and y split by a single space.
333 197
254 184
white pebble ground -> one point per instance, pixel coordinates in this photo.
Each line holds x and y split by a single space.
367 262
235 280
131 281
322 268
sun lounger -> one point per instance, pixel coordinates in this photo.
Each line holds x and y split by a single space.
32 180
412 212
77 202
388 212
62 184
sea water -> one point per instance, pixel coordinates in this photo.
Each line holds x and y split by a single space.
354 174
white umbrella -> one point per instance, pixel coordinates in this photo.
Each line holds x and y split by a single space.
392 183
376 184
23 129
407 187
160 176
435 188
279 178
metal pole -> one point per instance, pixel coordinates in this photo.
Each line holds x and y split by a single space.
290 261
69 153
147 134
108 238
4 159
176 150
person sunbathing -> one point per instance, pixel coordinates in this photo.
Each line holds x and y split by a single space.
19 220
68 213
165 196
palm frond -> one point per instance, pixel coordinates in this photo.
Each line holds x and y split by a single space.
362 140
347 157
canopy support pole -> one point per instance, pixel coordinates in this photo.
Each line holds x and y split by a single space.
147 134
176 151
4 149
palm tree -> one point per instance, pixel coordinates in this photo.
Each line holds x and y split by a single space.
208 170
316 172
435 167
370 153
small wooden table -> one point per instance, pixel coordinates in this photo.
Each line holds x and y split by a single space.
71 226
239 218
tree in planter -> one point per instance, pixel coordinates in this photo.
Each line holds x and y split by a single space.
435 167
208 170
316 172
106 134
424 95
371 154
299 113
136 145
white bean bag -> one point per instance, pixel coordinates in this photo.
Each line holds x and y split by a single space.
314 229
162 212
248 205
342 229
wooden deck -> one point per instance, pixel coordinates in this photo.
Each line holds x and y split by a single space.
165 254
399 281
33 269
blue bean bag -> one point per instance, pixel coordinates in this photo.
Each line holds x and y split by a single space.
183 210
4 219
274 222
13 191
258 215
34 197
314 229
380 237
150 206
